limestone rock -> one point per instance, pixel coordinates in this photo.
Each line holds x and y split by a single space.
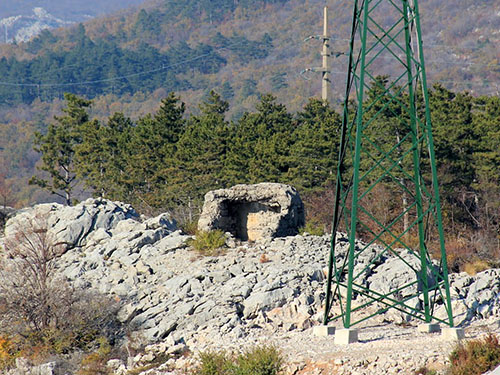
253 212
71 225
275 284
25 367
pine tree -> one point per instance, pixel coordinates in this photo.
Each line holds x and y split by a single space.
201 151
387 156
153 146
102 157
315 148
260 150
455 141
487 162
57 147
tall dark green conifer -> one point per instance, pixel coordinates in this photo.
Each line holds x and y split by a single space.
260 150
102 157
57 147
487 163
455 141
153 146
201 151
314 152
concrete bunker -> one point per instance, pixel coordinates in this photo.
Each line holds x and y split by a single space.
247 218
252 212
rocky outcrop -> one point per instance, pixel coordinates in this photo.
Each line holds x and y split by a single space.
252 212
25 367
168 292
5 213
71 226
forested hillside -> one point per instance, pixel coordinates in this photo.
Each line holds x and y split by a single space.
129 64
242 48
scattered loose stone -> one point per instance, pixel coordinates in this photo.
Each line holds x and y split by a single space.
179 301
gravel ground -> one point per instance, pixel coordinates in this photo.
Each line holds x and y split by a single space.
382 349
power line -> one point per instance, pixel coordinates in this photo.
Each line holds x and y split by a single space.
166 67
85 83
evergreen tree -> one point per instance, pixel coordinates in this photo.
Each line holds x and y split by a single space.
387 157
260 150
487 162
201 151
455 142
58 148
102 157
153 146
314 152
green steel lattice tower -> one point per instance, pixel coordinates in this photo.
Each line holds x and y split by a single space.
387 141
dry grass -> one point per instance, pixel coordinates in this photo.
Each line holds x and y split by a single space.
475 357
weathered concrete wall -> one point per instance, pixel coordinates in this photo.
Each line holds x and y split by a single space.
251 212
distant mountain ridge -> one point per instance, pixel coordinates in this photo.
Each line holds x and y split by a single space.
70 10
24 27
20 21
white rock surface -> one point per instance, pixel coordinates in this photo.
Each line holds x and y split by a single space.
268 291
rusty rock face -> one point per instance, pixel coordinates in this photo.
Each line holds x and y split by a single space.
252 212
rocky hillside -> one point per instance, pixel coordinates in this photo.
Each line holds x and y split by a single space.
68 10
268 290
24 27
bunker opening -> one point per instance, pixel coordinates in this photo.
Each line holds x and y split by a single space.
247 220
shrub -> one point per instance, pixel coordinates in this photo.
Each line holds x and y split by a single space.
41 313
29 288
208 243
214 363
475 357
95 363
477 265
7 352
190 227
261 360
313 227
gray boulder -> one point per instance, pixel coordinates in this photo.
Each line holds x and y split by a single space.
71 225
253 212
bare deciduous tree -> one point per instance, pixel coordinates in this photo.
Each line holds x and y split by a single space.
29 289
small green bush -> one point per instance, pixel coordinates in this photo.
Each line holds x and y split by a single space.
475 357
214 363
208 243
425 371
190 227
261 360
313 227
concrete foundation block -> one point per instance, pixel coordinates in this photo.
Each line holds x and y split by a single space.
346 336
429 328
323 331
453 334
495 371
